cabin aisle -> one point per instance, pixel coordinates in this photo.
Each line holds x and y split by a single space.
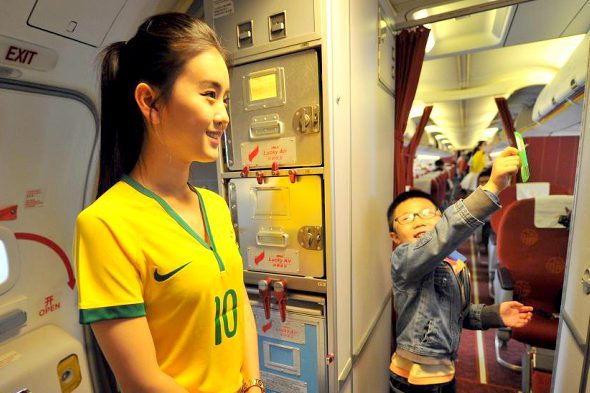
477 369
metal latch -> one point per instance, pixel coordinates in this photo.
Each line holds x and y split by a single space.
264 292
280 292
277 26
310 238
233 207
12 320
307 119
244 34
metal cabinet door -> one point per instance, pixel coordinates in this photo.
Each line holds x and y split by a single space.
275 113
280 227
291 352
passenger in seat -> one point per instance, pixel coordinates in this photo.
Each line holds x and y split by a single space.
431 282
160 275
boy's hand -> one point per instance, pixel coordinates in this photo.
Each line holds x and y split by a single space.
507 164
515 314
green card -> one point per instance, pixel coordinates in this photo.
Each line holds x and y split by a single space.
524 169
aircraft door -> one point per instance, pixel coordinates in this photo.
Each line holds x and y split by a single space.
46 145
572 362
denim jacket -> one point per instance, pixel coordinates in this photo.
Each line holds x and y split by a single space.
432 303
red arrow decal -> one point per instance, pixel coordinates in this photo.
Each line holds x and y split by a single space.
8 213
266 328
253 153
259 258
51 244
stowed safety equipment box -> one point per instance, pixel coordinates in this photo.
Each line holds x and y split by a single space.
275 113
280 228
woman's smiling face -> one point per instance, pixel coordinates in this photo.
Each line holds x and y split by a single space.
195 116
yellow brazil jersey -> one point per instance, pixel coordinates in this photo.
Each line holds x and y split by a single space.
136 257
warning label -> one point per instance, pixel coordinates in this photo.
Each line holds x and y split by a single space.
34 198
277 383
7 358
222 8
291 331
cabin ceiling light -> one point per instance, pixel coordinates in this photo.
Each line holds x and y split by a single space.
432 128
440 136
427 157
490 132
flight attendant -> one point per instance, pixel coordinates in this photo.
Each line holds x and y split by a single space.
160 274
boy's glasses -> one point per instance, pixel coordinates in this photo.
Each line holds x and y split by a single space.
409 218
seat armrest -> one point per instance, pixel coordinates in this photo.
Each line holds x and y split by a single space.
505 279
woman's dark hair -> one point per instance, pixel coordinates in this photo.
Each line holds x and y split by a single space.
156 55
404 196
479 144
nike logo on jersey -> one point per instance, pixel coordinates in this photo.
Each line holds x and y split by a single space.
163 277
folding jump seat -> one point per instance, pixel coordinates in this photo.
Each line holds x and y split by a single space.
532 249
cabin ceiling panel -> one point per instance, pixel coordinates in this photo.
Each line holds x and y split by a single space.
543 20
462 88
581 23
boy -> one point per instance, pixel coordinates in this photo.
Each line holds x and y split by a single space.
431 282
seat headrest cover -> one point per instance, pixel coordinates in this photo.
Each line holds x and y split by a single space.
549 208
531 190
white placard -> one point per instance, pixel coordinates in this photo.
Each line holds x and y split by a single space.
277 383
264 153
269 260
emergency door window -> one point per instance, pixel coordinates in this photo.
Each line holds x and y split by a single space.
3 264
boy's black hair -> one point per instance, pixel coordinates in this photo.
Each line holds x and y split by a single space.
404 196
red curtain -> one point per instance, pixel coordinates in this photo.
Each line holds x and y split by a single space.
508 124
506 117
410 151
410 47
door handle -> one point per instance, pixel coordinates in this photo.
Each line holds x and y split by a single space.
586 281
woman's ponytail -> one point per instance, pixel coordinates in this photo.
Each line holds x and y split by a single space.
121 123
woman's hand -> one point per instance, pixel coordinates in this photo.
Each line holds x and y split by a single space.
505 165
515 314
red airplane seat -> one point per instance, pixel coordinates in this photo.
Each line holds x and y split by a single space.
509 195
532 263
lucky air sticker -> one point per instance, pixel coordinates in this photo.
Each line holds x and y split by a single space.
264 153
524 169
268 260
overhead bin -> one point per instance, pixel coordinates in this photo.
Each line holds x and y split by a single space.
566 85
